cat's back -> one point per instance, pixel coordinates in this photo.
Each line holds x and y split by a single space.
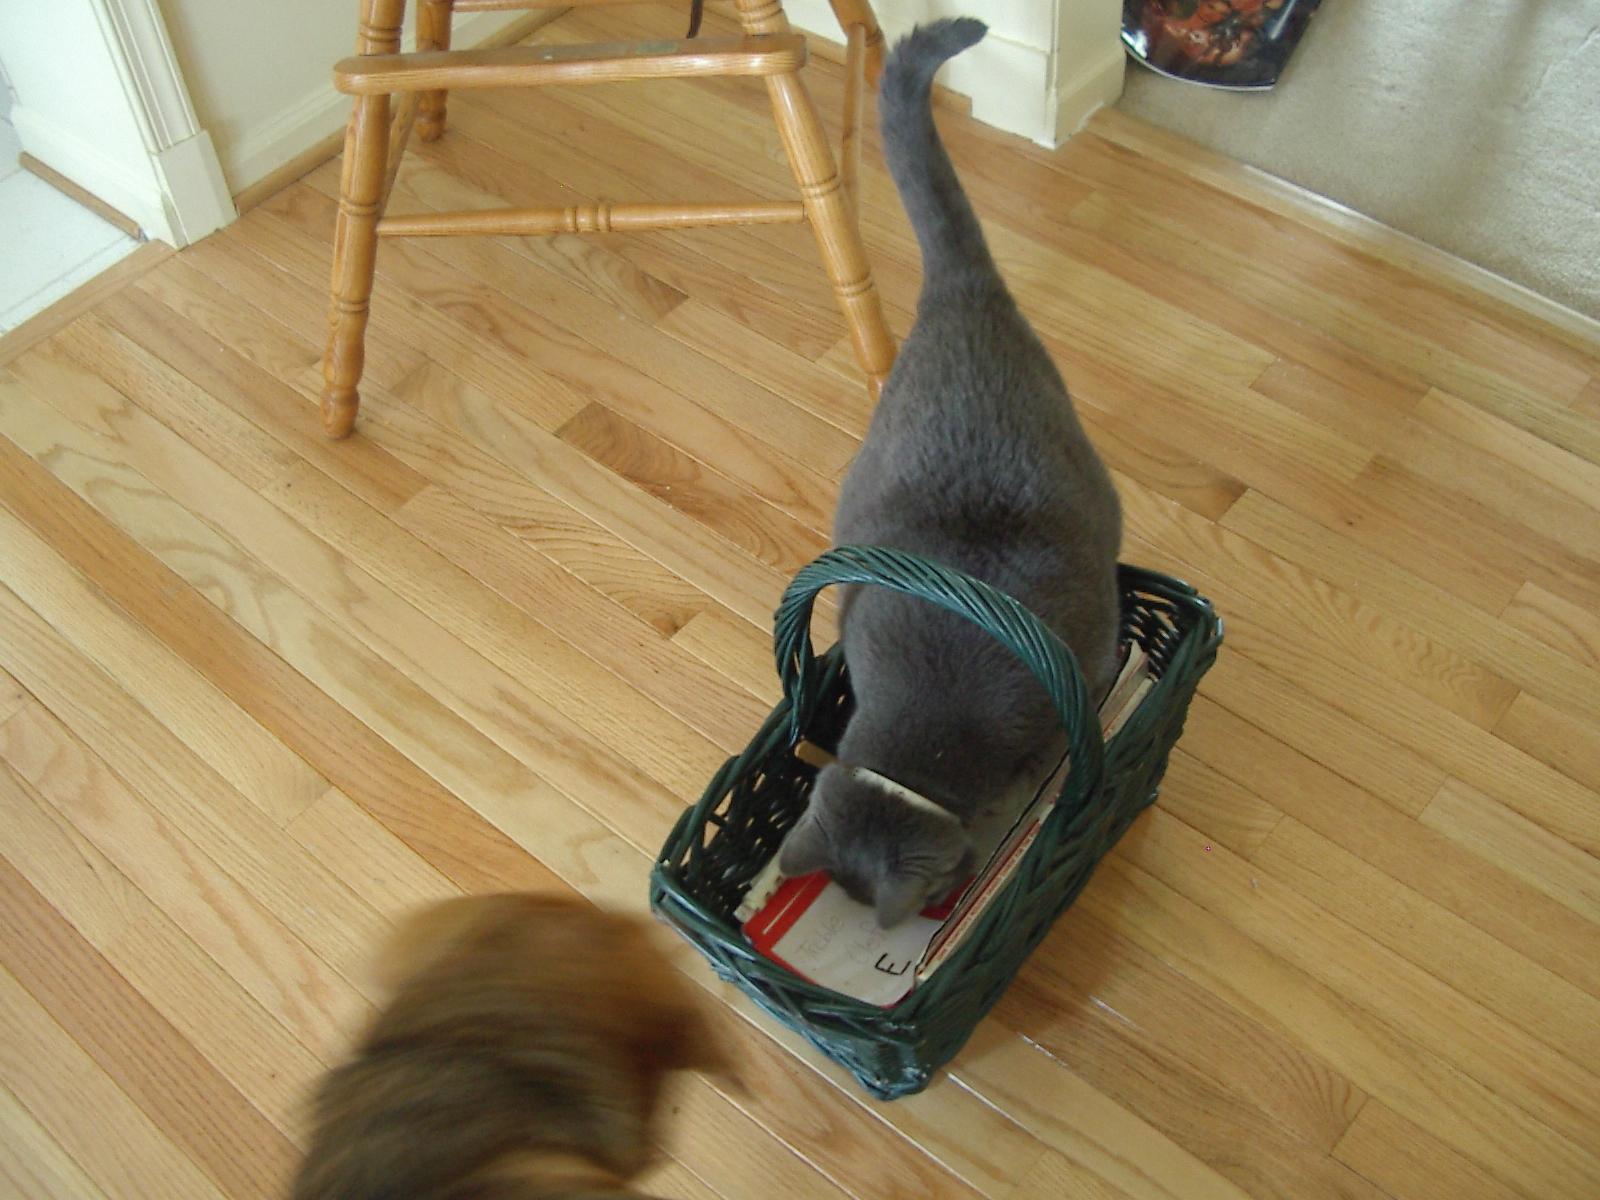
975 433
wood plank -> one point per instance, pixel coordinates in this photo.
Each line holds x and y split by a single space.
232 830
580 546
1414 1003
1372 759
255 1052
32 1163
1405 513
1569 628
230 265
1457 350
1055 1175
94 1121
517 503
345 751
1558 869
1569 745
500 158
1512 492
1426 731
343 837
1189 1064
677 480
256 396
159 1070
1366 416
589 620
780 452
678 543
1486 970
1430 740
260 767
1548 463
1436 611
1480 892
1301 607
1222 809
292 231
205 302
1075 1120
1409 1164
804 383
92 360
155 853
540 140
1468 1116
12 696
736 649
577 720
441 392
368 609
671 1180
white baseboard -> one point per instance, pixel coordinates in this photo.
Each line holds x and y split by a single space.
1009 83
135 195
1091 89
197 198
279 139
322 113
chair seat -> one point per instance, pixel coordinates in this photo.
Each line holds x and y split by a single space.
606 62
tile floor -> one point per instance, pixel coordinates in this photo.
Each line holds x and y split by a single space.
53 244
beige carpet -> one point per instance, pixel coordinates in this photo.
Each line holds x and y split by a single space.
1473 126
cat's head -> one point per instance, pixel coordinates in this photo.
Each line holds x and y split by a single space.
886 852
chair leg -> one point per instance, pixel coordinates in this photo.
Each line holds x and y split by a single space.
355 232
355 247
433 33
853 13
844 257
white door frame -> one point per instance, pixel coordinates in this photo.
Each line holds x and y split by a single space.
192 196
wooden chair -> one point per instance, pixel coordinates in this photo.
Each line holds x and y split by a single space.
377 136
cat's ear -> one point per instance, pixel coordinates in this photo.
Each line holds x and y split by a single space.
805 849
898 897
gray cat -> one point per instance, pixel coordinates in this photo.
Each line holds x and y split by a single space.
975 459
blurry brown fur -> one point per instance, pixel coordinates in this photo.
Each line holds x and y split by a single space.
522 1055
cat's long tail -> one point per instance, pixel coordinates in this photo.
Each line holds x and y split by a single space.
941 215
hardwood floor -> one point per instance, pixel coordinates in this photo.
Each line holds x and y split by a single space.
260 692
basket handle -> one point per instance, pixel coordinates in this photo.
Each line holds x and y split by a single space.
996 613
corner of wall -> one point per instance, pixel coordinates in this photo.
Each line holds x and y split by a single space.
1092 86
100 175
196 195
322 113
1009 83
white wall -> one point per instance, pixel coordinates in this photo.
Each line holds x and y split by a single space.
98 97
1045 66
71 111
1089 61
261 72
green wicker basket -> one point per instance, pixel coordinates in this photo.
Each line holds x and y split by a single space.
720 843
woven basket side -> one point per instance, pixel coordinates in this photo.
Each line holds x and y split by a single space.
718 846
